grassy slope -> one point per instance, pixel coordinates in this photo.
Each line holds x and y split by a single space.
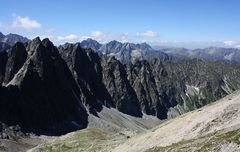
90 139
213 142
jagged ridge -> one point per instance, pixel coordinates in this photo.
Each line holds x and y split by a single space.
53 85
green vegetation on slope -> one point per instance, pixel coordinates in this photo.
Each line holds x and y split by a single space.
211 142
91 140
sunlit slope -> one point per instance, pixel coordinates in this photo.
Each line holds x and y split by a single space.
214 127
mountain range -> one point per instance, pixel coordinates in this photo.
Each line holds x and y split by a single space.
49 90
6 41
209 54
130 52
125 52
71 82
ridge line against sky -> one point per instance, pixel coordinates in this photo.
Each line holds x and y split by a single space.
173 23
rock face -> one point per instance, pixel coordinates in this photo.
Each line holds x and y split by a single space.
115 79
43 94
51 90
101 82
16 58
162 89
149 81
168 89
87 71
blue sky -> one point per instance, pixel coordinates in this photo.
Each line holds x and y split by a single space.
178 23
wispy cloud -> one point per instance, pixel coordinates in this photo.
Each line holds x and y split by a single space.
235 44
71 38
21 22
105 37
147 34
96 35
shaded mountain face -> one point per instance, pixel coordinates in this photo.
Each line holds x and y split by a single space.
3 62
123 95
16 57
86 69
168 89
42 96
99 80
53 90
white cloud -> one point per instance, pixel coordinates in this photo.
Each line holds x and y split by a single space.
235 44
96 35
23 22
106 37
71 38
147 34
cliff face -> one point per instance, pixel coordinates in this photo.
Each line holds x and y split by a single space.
43 95
123 95
16 58
53 89
168 89
101 81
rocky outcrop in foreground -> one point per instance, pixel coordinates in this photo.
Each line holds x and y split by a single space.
42 96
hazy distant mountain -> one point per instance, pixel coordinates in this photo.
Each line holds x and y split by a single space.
4 46
10 40
125 52
90 43
1 36
211 54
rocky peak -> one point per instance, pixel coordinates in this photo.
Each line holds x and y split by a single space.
16 58
44 82
33 45
11 39
115 79
85 66
145 46
52 50
90 43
